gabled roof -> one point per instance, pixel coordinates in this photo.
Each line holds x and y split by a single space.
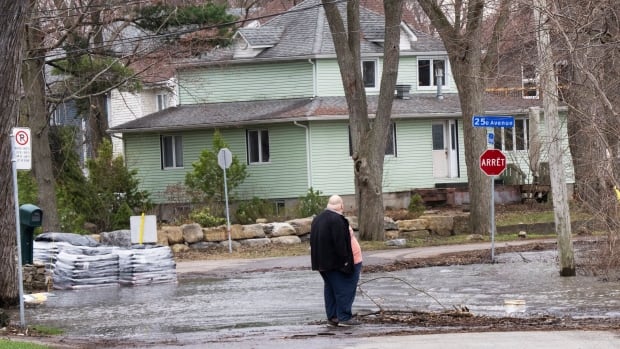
262 36
303 32
241 114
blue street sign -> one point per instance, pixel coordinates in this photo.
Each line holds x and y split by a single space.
493 121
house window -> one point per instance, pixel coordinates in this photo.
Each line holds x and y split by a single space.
510 139
162 102
529 82
258 146
171 152
369 73
390 146
429 69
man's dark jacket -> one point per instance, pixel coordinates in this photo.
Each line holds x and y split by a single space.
330 243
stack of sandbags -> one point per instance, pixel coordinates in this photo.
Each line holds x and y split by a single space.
86 267
145 265
45 252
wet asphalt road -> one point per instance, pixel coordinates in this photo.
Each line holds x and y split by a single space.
245 303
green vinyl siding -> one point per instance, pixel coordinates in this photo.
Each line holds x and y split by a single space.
329 80
413 166
234 83
143 154
283 177
407 74
332 167
286 174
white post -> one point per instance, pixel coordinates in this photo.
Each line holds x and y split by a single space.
227 214
20 275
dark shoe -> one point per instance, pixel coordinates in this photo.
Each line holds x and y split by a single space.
332 322
349 323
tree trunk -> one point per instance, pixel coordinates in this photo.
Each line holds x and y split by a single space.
35 108
98 113
471 92
460 28
535 145
97 124
368 141
557 172
11 22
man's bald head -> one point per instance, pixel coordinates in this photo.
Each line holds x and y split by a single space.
335 203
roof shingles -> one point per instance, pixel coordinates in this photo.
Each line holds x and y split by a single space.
212 115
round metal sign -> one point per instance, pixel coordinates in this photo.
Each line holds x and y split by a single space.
224 158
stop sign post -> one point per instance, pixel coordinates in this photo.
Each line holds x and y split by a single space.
493 162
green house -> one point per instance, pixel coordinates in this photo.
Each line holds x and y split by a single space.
277 98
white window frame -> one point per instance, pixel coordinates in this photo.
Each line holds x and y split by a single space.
176 143
446 70
529 79
375 63
161 101
501 134
264 155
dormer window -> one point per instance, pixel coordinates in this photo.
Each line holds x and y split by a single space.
162 101
369 73
529 82
429 70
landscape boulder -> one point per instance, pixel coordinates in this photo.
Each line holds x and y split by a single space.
282 229
192 233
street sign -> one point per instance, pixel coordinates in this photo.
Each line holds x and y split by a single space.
224 158
493 121
22 148
493 162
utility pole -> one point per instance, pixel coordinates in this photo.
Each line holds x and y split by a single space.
549 86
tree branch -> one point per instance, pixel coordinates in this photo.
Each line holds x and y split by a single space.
493 48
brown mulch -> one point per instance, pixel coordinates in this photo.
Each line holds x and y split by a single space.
463 321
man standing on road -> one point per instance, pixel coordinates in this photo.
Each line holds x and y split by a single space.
332 255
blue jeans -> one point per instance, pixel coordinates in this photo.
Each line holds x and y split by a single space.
339 292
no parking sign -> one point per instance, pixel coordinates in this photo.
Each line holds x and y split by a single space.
22 148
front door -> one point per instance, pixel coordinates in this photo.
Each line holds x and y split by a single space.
445 149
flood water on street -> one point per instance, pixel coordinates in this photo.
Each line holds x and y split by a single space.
219 307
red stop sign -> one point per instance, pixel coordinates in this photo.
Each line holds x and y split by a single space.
493 162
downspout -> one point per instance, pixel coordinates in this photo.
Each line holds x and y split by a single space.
308 152
313 79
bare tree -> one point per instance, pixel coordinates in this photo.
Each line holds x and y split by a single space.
472 58
35 112
588 34
11 22
367 136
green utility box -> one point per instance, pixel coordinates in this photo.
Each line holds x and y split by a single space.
30 217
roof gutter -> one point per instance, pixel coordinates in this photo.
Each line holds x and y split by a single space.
308 152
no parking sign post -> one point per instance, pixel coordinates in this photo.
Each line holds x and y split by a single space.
21 159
